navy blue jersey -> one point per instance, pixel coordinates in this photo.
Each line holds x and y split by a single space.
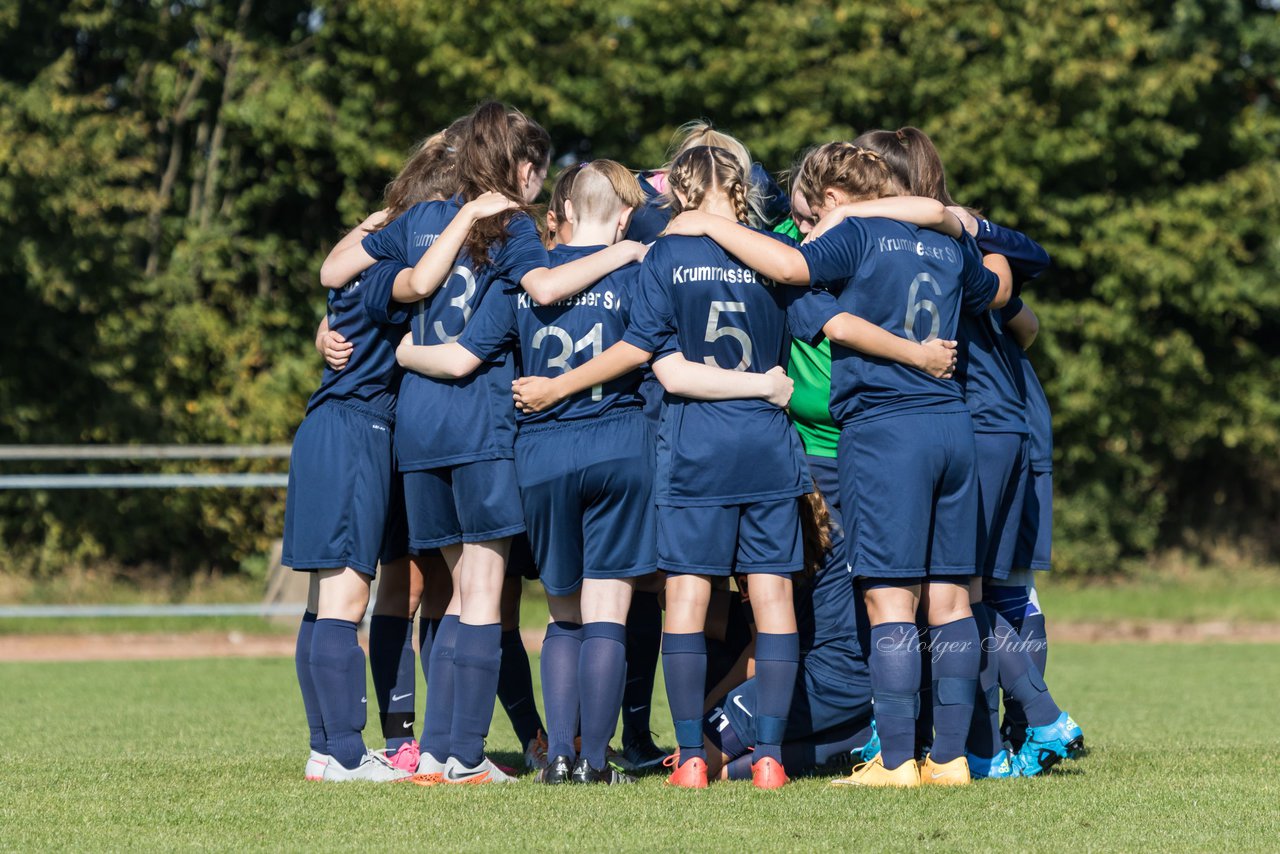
365 315
827 610
1027 259
449 422
695 297
990 375
1039 420
910 281
559 337
648 220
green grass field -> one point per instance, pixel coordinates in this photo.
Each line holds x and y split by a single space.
209 754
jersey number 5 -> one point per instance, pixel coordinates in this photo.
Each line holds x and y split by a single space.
716 331
568 347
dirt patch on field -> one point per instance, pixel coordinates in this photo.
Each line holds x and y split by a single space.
147 647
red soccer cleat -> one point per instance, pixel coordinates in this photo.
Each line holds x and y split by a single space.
690 775
767 773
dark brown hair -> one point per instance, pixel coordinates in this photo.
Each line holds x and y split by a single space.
815 527
430 174
560 191
496 141
913 158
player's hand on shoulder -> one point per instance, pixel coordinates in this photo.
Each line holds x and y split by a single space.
689 224
534 394
335 348
781 387
488 204
404 347
938 358
968 220
636 249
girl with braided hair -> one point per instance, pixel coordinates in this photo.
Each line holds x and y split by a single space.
906 449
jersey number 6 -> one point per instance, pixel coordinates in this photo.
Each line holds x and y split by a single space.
914 307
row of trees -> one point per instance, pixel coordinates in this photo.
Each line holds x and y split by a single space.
172 172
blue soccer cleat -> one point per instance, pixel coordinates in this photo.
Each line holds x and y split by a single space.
1048 745
868 751
998 767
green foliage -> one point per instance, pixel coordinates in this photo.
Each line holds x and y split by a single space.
172 173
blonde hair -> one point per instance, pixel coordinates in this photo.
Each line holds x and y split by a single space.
702 169
860 173
701 133
602 188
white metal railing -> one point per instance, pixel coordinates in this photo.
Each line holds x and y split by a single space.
40 453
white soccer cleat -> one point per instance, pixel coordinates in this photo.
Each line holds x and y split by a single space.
316 763
373 768
457 774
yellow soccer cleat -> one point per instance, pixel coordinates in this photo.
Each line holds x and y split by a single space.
953 773
873 773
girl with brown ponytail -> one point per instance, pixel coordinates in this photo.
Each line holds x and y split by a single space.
906 450
1000 391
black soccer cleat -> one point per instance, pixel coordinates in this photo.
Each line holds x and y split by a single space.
610 776
643 755
557 771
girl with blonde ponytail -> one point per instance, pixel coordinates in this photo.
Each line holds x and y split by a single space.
730 469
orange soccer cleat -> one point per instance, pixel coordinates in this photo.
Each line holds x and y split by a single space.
691 774
767 773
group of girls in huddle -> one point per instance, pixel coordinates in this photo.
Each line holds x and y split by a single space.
649 449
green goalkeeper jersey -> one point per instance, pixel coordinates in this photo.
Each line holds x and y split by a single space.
810 369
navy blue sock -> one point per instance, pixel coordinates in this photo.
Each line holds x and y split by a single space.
1036 640
337 668
1019 677
602 670
440 682
644 641
1010 602
895 688
684 667
984 727
477 659
427 631
955 659
777 660
391 662
515 688
924 722
310 700
561 651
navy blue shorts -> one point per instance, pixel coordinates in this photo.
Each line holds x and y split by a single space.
1035 531
395 540
587 489
817 705
468 503
340 472
520 562
910 493
763 536
1002 480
